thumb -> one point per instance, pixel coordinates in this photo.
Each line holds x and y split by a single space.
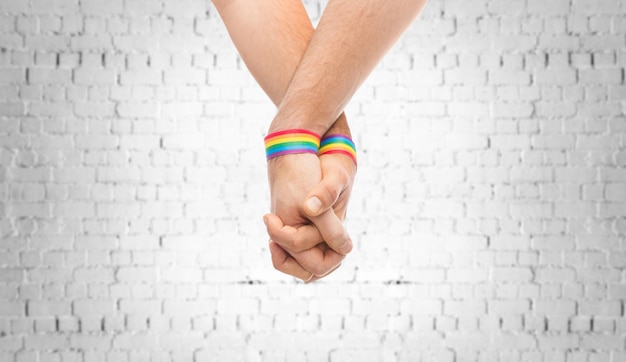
325 194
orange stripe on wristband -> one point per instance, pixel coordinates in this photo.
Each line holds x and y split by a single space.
291 141
338 144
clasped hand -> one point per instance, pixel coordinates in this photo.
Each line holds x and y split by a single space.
309 197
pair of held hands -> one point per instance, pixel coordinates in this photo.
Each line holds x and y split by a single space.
309 196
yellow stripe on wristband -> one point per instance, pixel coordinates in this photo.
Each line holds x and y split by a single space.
291 141
338 144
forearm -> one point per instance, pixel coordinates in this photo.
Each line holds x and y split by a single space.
271 37
350 40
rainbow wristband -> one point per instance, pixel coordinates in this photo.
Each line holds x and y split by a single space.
291 141
338 144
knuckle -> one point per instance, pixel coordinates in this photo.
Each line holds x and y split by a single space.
297 244
274 234
319 269
337 237
329 193
277 264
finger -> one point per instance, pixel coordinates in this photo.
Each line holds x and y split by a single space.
319 260
283 262
294 239
333 232
315 278
325 194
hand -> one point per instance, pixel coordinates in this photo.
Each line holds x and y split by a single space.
298 249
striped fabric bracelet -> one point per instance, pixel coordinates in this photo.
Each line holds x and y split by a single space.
338 144
291 141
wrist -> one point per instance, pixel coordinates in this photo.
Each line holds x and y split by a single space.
339 127
338 144
301 117
291 141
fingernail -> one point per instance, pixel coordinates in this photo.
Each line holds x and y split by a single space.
314 204
265 220
346 248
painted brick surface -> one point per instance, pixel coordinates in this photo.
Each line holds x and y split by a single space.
489 211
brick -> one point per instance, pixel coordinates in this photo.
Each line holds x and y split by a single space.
46 342
12 75
138 110
555 275
600 308
48 308
509 242
95 243
95 7
465 76
91 342
14 6
553 243
187 109
93 275
612 210
601 76
139 341
509 77
11 309
54 7
187 141
507 307
183 44
12 109
184 8
553 141
596 7
141 77
117 174
553 76
616 192
74 175
184 76
555 307
558 342
602 342
74 209
188 308
91 43
575 174
93 307
557 7
558 42
96 142
535 174
181 275
143 7
85 76
140 242
49 76
467 275
134 43
137 274
462 9
141 307
522 43
512 110
511 274
602 43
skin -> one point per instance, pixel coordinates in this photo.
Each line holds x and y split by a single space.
311 74
272 54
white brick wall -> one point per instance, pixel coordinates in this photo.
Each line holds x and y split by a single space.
489 211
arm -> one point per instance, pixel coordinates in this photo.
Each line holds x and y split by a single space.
271 37
350 40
